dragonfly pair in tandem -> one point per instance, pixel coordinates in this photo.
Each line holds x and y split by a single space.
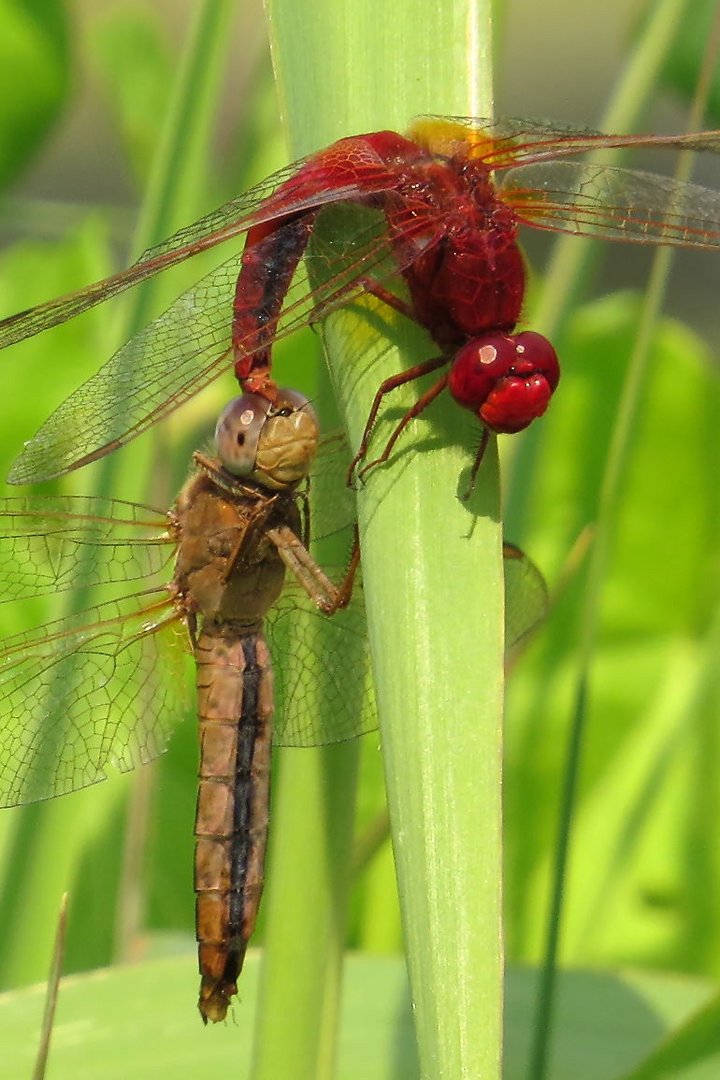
103 688
440 215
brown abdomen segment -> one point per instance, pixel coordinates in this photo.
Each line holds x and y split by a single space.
234 683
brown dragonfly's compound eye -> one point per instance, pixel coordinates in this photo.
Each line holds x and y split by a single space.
238 431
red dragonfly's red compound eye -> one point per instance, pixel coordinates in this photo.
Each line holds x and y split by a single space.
505 379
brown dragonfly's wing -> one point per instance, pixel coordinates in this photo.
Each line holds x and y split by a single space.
54 543
95 691
613 203
98 688
332 503
526 595
188 346
321 670
323 682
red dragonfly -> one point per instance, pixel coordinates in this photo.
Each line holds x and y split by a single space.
439 210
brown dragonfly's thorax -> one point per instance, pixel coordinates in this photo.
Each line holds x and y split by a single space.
473 279
225 562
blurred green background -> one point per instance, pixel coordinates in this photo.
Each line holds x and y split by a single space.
83 92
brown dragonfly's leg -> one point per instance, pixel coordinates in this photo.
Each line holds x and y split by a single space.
420 405
477 463
328 596
346 588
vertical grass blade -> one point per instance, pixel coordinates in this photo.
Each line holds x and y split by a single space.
432 564
53 986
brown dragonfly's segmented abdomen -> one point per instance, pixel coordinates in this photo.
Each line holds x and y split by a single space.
234 681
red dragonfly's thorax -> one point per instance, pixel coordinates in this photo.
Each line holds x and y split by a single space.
473 279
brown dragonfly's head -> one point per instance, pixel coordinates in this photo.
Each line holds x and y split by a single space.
273 444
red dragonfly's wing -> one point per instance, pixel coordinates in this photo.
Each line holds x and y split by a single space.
188 346
506 143
586 198
613 203
231 220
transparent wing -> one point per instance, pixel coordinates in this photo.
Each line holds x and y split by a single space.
95 691
526 595
508 142
102 688
54 543
188 346
321 665
231 220
613 203
585 198
323 680
332 503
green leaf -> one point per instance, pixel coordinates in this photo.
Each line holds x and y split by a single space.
607 1023
645 860
691 1051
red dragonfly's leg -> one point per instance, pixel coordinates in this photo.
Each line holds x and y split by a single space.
389 298
477 462
357 288
420 405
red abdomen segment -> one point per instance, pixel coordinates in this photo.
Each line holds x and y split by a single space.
234 683
268 264
507 380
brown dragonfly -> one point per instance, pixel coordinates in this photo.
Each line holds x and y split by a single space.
101 688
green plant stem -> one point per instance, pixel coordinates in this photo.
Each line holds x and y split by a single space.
431 564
